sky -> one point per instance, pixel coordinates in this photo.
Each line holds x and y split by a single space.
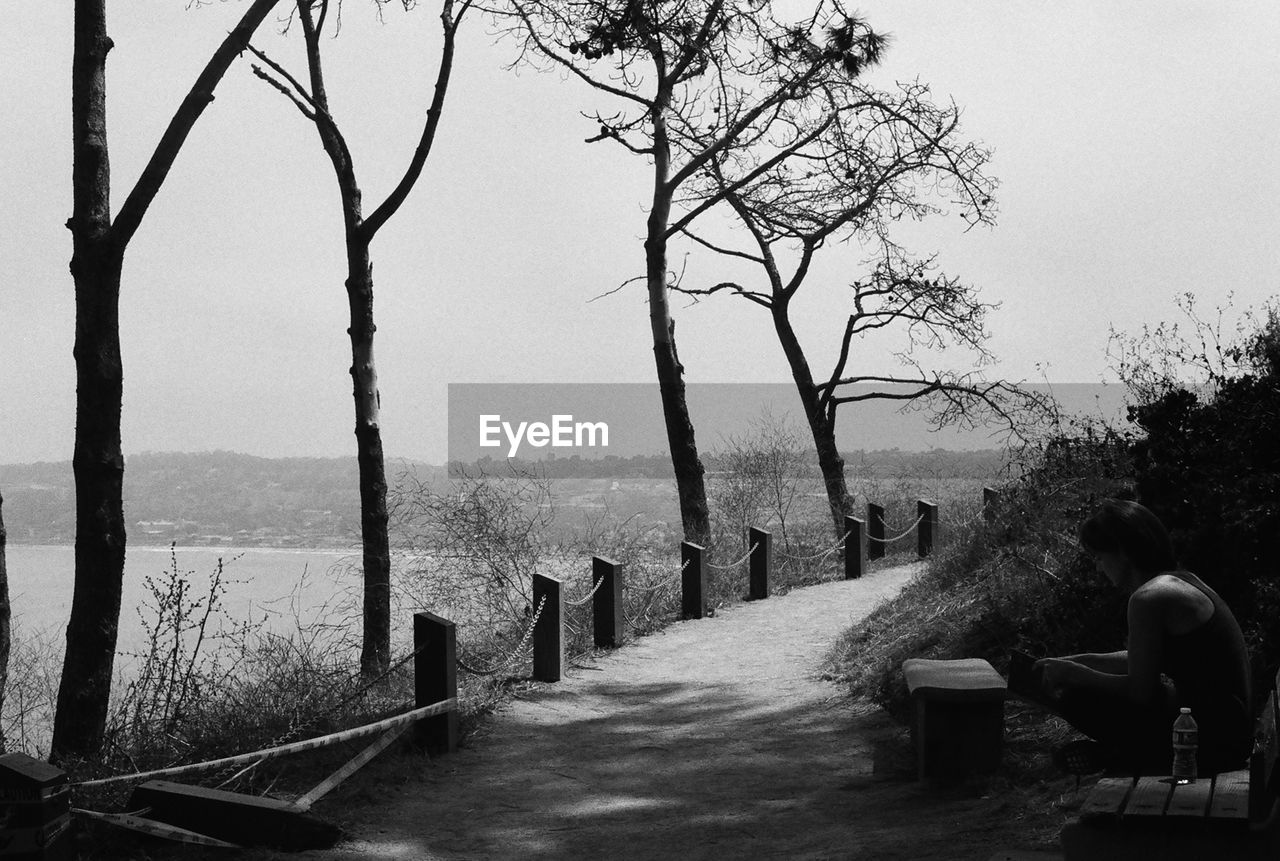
1136 145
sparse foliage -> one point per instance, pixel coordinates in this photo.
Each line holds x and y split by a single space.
841 163
693 80
760 479
469 551
185 626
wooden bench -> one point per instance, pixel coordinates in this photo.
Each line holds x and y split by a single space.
1228 816
958 727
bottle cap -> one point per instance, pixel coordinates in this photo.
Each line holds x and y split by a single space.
1185 710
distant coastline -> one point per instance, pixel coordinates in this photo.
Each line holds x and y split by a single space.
225 500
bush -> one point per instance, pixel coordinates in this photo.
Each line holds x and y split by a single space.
1209 466
1205 457
1014 578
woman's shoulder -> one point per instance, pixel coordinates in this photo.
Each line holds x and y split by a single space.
1182 602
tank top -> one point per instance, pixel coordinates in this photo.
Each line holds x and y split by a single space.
1209 667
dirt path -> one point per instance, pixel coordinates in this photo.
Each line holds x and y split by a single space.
711 739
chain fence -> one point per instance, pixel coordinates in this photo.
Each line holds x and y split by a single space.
735 564
903 534
822 554
665 582
515 653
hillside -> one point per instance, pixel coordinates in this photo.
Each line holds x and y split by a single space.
199 499
229 499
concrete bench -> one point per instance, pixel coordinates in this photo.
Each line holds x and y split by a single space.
1229 815
959 716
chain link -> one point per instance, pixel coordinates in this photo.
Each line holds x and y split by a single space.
589 595
821 555
904 534
515 653
665 582
733 565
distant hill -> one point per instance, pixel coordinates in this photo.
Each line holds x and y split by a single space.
224 498
199 499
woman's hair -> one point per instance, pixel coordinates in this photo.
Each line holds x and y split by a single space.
1129 528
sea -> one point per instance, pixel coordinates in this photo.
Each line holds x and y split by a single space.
267 586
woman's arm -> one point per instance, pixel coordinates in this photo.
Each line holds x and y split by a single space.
1103 662
1138 678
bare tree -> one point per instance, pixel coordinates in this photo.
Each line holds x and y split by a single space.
845 161
313 101
693 79
99 244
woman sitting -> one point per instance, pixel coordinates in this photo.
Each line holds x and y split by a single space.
1185 649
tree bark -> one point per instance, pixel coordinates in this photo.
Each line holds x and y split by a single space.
97 258
97 461
821 416
690 486
6 614
375 653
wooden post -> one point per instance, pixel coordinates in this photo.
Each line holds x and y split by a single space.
761 543
548 633
875 531
927 530
855 548
990 499
693 581
606 606
435 678
35 808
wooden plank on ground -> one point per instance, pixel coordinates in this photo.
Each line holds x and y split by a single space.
1230 795
1150 797
248 820
351 767
1190 799
1107 797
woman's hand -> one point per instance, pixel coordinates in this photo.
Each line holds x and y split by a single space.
1056 674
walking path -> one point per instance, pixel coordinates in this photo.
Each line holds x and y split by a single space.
712 739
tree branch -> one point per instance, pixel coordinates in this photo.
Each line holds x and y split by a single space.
184 119
297 94
401 192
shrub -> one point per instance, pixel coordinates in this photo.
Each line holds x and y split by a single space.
1204 456
1014 578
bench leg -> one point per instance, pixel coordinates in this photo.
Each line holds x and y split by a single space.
953 740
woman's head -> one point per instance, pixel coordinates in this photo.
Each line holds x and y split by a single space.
1132 531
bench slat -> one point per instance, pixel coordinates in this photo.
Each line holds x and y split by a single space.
1230 795
1190 799
1150 797
1107 797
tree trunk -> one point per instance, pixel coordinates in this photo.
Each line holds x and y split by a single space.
97 461
375 654
694 515
821 419
5 618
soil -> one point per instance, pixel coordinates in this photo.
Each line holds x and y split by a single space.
715 738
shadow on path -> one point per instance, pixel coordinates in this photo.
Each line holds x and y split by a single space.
712 739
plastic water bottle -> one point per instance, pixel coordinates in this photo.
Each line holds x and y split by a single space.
1186 737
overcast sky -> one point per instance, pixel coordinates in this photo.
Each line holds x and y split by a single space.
1136 145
